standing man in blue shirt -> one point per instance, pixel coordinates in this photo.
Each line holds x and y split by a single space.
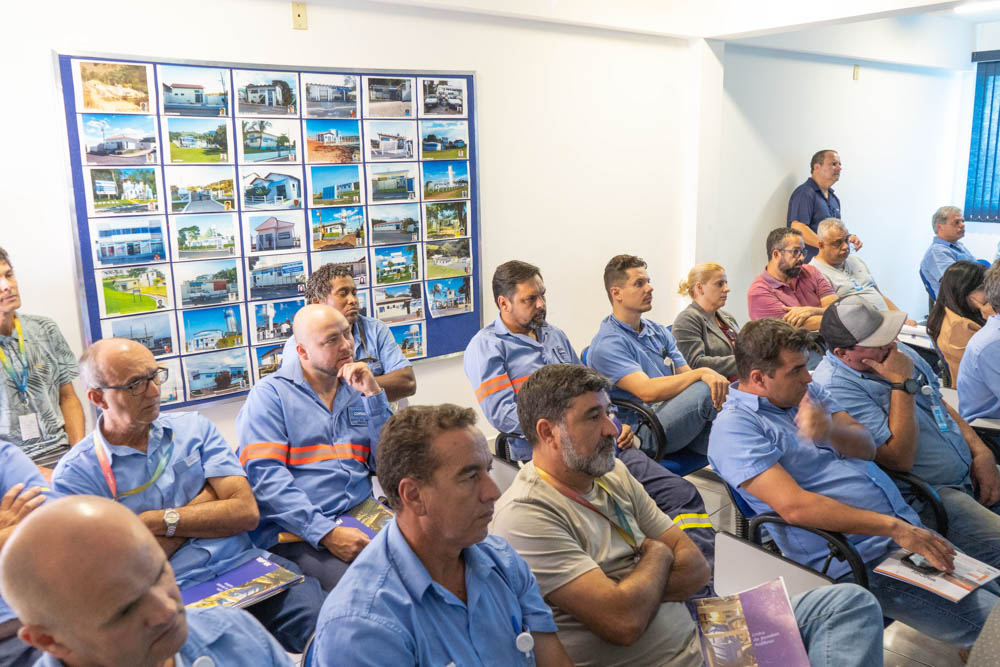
433 588
180 477
894 393
502 355
946 247
93 587
307 438
814 201
641 359
786 445
333 285
979 372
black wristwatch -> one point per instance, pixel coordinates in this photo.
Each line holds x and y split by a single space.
910 386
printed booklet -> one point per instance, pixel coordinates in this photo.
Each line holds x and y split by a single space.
247 584
969 573
755 628
369 516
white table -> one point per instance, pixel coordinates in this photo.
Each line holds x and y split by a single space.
951 396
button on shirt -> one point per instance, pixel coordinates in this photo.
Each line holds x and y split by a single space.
224 635
388 611
808 205
939 257
199 453
17 468
979 374
307 463
619 350
853 278
767 295
942 457
376 347
497 361
751 434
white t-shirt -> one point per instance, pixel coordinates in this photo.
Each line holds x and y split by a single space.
853 278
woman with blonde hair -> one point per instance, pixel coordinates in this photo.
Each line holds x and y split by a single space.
705 333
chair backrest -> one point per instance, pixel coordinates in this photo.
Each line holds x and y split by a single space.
740 503
585 355
927 286
307 655
740 565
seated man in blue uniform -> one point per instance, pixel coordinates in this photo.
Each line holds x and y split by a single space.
641 359
979 373
307 436
22 489
333 285
504 353
946 248
93 587
433 588
180 477
786 445
894 393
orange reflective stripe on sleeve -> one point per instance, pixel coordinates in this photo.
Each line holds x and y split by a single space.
516 384
316 453
492 385
264 450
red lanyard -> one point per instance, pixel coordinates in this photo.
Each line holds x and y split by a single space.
104 460
622 525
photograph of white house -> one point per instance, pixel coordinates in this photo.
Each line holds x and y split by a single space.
207 282
339 227
400 303
122 191
197 140
268 358
392 182
193 91
333 141
120 241
217 373
276 276
207 236
330 95
200 189
355 260
133 289
394 223
272 190
268 233
388 98
390 139
446 259
396 264
266 93
446 180
118 139
269 140
442 97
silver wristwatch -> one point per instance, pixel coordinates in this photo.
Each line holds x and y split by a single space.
171 517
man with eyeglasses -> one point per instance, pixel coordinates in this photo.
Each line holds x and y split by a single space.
788 289
181 478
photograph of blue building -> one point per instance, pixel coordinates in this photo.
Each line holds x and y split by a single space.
217 373
271 190
212 328
128 241
337 184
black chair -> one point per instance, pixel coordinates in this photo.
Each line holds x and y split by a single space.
503 448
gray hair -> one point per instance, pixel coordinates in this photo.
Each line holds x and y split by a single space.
89 371
991 284
828 223
940 216
4 257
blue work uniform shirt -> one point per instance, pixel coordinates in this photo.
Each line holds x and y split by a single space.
307 463
979 374
373 344
808 205
388 611
943 457
17 468
939 257
619 350
751 434
199 453
224 635
497 361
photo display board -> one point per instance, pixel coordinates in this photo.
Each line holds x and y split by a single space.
206 194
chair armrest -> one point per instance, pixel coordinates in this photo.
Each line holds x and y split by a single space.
839 547
925 492
650 419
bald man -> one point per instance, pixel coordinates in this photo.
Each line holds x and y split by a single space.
307 436
93 587
182 479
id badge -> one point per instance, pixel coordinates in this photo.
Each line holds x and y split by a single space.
357 416
939 417
28 425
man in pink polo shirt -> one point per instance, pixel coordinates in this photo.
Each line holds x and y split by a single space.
788 289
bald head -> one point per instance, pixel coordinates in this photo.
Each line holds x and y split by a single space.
323 338
98 362
314 319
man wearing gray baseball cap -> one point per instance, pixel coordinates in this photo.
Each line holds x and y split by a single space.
890 389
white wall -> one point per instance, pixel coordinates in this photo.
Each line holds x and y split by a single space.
578 136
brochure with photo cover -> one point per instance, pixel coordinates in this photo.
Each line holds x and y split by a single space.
247 584
969 573
369 516
755 628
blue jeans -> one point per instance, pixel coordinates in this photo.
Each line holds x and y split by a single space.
972 528
291 616
686 419
840 625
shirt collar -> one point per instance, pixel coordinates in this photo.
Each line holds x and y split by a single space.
157 433
815 186
502 328
752 401
951 244
643 329
777 284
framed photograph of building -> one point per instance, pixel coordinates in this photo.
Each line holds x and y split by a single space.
276 276
399 303
133 289
450 296
206 329
446 180
128 240
447 259
197 140
396 264
277 233
204 236
446 220
355 260
217 373
364 307
444 140
261 93
394 223
113 87
333 141
387 140
193 90
200 189
443 97
334 185
264 140
330 95
268 188
411 339
272 321
172 389
208 282
388 97
267 359
122 191
155 331
110 139
338 228
392 182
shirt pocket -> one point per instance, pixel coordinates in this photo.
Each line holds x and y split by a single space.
189 478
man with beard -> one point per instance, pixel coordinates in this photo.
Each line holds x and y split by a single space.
93 587
307 436
504 353
787 289
642 360
946 248
614 568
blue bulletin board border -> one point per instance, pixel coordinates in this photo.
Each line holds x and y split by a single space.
443 336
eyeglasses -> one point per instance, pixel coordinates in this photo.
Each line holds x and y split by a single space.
139 387
794 252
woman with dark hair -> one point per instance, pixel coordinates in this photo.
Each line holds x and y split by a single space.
960 311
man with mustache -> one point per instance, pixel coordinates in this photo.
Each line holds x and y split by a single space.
895 394
433 588
307 436
93 587
946 248
788 289
642 360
